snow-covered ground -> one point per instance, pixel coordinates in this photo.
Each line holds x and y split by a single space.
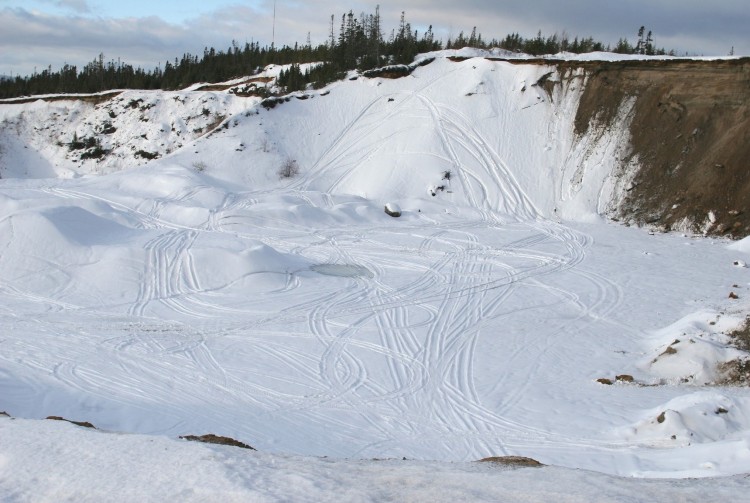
53 461
201 292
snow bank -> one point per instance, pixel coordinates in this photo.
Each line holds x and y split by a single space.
84 465
695 418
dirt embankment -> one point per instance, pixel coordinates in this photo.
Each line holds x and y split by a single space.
691 135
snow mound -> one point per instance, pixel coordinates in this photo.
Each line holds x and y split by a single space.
343 270
692 360
696 418
60 231
87 229
692 350
743 245
252 263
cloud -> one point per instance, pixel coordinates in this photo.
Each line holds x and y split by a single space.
75 5
32 39
78 6
698 26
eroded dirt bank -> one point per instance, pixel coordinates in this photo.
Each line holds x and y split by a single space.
690 132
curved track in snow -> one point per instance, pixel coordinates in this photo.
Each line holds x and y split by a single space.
434 352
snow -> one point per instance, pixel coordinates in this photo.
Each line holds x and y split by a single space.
743 245
497 53
200 292
84 465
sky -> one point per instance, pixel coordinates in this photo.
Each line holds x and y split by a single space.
35 34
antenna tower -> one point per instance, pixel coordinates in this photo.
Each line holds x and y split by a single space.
273 33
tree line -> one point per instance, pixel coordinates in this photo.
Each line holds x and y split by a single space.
353 42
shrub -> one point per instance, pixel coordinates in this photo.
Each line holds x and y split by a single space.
146 155
108 128
289 169
95 153
75 143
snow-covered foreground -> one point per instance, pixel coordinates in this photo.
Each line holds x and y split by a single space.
200 293
50 461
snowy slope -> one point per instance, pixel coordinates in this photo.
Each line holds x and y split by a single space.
507 142
200 292
131 127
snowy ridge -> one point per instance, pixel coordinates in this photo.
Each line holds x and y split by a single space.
202 291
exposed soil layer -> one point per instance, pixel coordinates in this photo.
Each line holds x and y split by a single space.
88 98
691 135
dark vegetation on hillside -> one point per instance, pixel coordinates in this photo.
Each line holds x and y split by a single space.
360 44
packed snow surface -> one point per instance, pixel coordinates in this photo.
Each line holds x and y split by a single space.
203 292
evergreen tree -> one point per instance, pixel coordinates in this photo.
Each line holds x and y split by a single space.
640 47
649 46
359 45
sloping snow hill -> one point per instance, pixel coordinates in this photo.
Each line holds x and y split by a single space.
203 292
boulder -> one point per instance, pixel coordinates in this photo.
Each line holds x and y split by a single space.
393 210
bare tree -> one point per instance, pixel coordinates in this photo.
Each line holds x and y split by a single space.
289 169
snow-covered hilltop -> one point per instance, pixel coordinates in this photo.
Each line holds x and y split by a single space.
178 263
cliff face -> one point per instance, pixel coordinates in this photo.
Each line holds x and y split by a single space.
690 135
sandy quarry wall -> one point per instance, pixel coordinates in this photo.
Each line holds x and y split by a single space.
690 135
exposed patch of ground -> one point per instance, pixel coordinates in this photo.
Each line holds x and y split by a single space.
85 424
225 87
216 439
88 98
737 372
396 71
741 336
624 378
512 461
